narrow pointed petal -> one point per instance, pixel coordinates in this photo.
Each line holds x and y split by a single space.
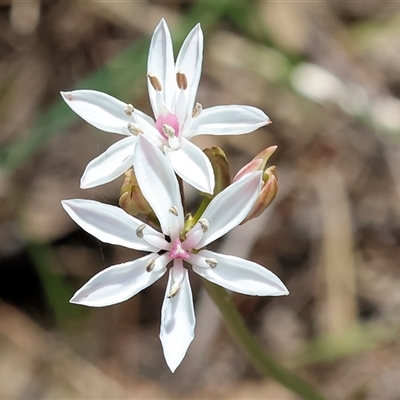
108 223
177 322
189 62
157 182
99 109
227 120
118 283
148 127
230 207
239 275
161 65
192 165
109 165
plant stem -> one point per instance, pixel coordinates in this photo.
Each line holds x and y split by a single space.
204 203
263 362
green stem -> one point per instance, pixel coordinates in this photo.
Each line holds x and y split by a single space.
204 203
264 363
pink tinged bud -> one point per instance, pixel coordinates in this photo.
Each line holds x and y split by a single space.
267 194
178 251
253 165
258 163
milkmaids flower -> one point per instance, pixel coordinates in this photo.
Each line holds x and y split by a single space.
178 118
172 245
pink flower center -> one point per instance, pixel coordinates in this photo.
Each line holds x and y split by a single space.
167 120
178 251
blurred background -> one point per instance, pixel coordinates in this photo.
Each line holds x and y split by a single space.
327 73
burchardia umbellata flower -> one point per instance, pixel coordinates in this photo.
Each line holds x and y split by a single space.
173 246
178 118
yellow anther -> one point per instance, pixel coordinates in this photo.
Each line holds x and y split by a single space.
174 210
212 262
197 110
168 131
181 80
155 82
139 230
204 224
129 109
150 265
134 129
176 287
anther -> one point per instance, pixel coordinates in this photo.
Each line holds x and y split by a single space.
155 82
150 265
204 224
212 262
129 109
139 230
181 80
176 287
197 110
168 131
174 210
134 129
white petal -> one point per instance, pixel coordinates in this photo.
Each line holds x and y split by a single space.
157 182
100 110
192 165
177 322
189 62
108 223
111 164
240 275
161 64
118 283
227 120
230 207
150 131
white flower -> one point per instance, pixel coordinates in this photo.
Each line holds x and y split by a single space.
172 90
120 282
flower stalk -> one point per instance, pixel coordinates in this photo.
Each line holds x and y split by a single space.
261 361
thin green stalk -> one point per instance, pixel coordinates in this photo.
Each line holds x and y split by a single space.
204 203
264 363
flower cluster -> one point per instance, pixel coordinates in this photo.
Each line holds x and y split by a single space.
156 156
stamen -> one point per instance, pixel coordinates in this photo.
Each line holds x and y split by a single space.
155 82
168 131
129 109
181 80
197 110
204 224
174 210
212 262
176 287
150 265
134 129
139 230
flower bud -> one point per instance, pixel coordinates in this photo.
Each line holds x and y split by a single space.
220 166
131 199
269 188
267 194
258 163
